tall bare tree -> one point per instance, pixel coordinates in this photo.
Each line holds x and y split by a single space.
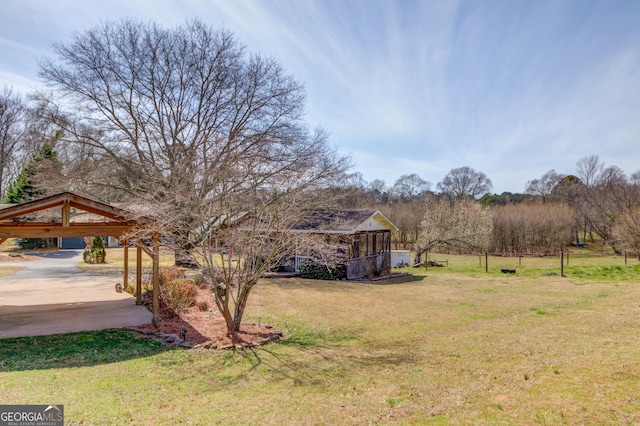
627 229
378 191
407 217
589 169
545 185
606 193
464 182
12 126
410 187
201 132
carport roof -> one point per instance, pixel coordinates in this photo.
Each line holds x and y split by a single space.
116 220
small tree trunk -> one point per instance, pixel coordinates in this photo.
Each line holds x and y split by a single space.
241 304
228 319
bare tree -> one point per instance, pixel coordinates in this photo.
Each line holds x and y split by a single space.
627 229
12 125
608 193
545 185
410 187
463 227
352 192
464 182
407 217
210 138
531 229
589 169
378 191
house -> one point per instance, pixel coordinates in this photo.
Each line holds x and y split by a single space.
364 238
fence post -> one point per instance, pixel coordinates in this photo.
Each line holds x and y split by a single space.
486 261
562 263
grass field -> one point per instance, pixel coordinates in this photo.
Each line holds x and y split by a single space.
446 346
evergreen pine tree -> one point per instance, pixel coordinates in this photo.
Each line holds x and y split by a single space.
23 189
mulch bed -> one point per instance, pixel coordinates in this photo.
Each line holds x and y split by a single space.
205 327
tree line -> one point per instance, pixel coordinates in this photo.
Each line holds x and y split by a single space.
554 211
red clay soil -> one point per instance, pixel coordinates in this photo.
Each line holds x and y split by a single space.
203 323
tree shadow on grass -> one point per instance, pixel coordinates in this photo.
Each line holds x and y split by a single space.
75 350
306 356
306 365
332 285
404 279
272 362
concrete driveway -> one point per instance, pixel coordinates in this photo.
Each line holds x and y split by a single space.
51 296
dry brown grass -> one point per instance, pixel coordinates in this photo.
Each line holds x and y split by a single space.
455 350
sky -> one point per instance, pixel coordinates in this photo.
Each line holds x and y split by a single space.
510 88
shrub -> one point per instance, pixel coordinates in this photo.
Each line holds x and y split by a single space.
35 243
200 281
178 294
321 272
97 253
170 274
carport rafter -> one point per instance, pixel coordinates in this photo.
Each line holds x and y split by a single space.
120 223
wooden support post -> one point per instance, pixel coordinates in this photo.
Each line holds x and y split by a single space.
138 276
156 278
66 213
625 257
486 262
562 264
125 267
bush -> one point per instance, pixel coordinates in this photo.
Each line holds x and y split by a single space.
170 274
200 281
177 294
321 272
35 243
97 253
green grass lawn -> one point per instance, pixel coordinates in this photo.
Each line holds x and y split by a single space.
446 346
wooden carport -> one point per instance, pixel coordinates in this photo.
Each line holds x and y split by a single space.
115 222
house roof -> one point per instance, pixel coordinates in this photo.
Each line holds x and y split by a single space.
345 222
